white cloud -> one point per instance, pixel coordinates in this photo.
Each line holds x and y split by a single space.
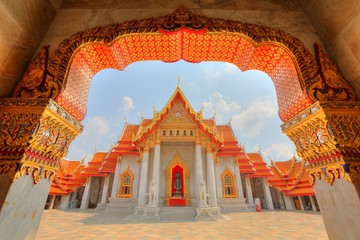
250 121
279 152
230 68
223 109
96 126
127 103
216 73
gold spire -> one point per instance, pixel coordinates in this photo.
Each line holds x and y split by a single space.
178 85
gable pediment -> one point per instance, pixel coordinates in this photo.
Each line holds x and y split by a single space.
177 116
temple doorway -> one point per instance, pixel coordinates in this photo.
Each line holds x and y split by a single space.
177 183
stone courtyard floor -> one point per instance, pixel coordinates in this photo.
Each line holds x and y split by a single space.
90 224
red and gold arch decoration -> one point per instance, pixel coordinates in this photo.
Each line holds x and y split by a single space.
299 78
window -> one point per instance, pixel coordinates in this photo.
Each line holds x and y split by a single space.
126 181
177 133
164 133
191 133
184 133
170 132
228 184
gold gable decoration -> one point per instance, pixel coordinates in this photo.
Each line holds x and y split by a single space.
178 112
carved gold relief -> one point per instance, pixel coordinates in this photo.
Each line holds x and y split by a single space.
37 81
320 78
328 84
37 134
326 136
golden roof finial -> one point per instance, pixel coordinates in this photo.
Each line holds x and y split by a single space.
178 85
125 119
154 109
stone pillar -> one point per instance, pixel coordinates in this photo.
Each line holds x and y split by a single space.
143 178
156 170
35 134
116 182
313 205
238 181
288 202
269 201
280 198
211 177
301 203
86 194
249 194
64 202
199 176
52 200
326 136
73 199
105 189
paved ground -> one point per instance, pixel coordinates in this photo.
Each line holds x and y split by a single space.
88 224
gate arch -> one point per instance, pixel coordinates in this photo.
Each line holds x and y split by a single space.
300 79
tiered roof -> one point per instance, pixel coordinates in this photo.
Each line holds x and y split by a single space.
291 178
261 169
94 165
67 178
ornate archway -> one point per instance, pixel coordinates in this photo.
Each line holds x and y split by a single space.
299 78
318 106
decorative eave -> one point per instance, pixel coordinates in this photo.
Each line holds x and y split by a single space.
144 131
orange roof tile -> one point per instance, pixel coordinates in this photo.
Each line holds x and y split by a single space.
245 165
67 177
261 169
92 168
230 146
178 96
291 178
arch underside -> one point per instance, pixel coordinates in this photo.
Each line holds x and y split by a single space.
191 46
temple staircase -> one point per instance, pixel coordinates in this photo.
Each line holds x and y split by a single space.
177 214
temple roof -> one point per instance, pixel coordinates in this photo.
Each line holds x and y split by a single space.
92 168
146 127
291 178
230 146
67 177
261 169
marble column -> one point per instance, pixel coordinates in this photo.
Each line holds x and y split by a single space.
86 194
199 176
156 169
105 189
288 202
249 194
64 202
73 199
143 178
268 198
52 200
301 203
280 198
116 182
211 178
238 181
313 205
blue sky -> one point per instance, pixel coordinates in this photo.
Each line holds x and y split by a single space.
247 97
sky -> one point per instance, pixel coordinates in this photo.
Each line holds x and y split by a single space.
246 99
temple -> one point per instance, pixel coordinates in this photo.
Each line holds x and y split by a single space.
178 158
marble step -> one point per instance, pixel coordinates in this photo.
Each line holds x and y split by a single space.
177 213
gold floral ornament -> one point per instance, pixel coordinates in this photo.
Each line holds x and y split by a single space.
37 81
329 84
